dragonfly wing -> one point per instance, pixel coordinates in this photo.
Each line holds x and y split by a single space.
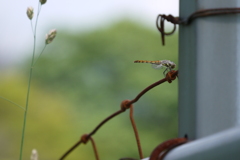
157 66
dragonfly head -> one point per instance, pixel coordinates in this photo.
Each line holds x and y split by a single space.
173 65
168 64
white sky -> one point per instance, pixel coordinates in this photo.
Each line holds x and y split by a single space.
72 15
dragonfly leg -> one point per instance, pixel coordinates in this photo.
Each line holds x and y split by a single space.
167 69
165 72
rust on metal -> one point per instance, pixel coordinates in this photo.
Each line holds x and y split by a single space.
181 21
126 104
162 149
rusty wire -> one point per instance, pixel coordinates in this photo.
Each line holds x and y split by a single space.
160 25
162 149
126 104
171 75
136 133
94 148
201 13
84 139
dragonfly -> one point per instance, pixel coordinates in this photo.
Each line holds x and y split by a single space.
169 65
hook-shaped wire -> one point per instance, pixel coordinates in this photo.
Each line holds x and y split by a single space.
136 133
200 13
162 149
160 26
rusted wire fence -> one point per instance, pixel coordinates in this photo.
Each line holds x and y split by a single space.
126 104
161 150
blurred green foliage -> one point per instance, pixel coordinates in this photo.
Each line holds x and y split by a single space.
81 79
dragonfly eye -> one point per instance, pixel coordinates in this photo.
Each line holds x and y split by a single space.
173 66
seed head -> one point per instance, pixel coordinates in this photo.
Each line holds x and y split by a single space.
30 12
42 1
34 155
50 36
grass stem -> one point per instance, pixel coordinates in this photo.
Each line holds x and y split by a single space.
12 102
29 84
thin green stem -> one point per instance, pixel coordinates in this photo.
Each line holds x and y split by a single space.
32 27
12 102
25 113
39 55
29 84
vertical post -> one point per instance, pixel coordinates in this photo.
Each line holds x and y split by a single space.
208 72
187 74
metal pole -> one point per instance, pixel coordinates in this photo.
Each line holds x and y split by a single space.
209 86
208 72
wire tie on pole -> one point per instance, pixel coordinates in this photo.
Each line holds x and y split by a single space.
162 149
200 13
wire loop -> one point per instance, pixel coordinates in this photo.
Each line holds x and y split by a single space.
162 149
187 21
161 28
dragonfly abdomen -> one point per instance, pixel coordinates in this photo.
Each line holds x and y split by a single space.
144 61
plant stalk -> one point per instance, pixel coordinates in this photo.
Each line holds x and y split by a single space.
29 84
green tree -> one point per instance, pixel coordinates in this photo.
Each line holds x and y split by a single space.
83 77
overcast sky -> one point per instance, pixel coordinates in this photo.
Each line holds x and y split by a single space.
71 15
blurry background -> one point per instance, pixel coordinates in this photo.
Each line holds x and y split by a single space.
83 76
